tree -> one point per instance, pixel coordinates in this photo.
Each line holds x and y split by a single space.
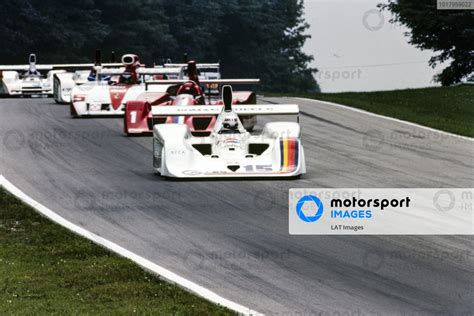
251 38
56 31
449 32
137 26
195 25
265 39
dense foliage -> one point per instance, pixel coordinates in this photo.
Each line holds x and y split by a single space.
250 37
448 32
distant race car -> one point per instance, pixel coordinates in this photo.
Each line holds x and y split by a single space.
204 72
138 113
64 82
32 79
469 79
230 150
108 96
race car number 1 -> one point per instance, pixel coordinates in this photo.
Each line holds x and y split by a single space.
133 117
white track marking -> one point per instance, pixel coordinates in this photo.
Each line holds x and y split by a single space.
385 117
162 272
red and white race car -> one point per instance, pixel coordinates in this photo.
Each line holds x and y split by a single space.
139 118
107 97
64 82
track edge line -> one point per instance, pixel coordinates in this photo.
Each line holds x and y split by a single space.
163 273
385 117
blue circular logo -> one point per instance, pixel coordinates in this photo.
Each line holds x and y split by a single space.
309 199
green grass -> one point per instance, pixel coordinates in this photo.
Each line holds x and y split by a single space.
45 269
450 109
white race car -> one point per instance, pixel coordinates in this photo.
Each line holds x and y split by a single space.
113 88
64 82
32 79
229 151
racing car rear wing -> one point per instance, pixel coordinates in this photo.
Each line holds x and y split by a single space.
206 82
158 71
241 109
140 72
197 65
53 67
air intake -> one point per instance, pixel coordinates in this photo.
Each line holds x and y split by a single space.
233 168
258 149
204 149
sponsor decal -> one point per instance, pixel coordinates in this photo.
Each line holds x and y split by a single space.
289 154
192 173
231 141
117 94
95 107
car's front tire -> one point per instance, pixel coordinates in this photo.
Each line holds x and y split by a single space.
73 111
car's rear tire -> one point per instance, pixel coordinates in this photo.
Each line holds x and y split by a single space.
125 125
56 91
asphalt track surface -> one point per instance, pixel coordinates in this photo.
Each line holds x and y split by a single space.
232 236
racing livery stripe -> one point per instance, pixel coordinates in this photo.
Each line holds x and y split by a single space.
282 154
289 154
291 149
297 153
285 149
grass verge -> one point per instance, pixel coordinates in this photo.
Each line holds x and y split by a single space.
449 109
45 269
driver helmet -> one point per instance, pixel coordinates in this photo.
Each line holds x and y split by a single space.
189 88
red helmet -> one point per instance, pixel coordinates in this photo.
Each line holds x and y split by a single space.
131 60
131 63
190 88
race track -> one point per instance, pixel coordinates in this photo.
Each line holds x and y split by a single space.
232 236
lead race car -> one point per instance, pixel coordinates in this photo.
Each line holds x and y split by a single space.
230 150
139 118
33 79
